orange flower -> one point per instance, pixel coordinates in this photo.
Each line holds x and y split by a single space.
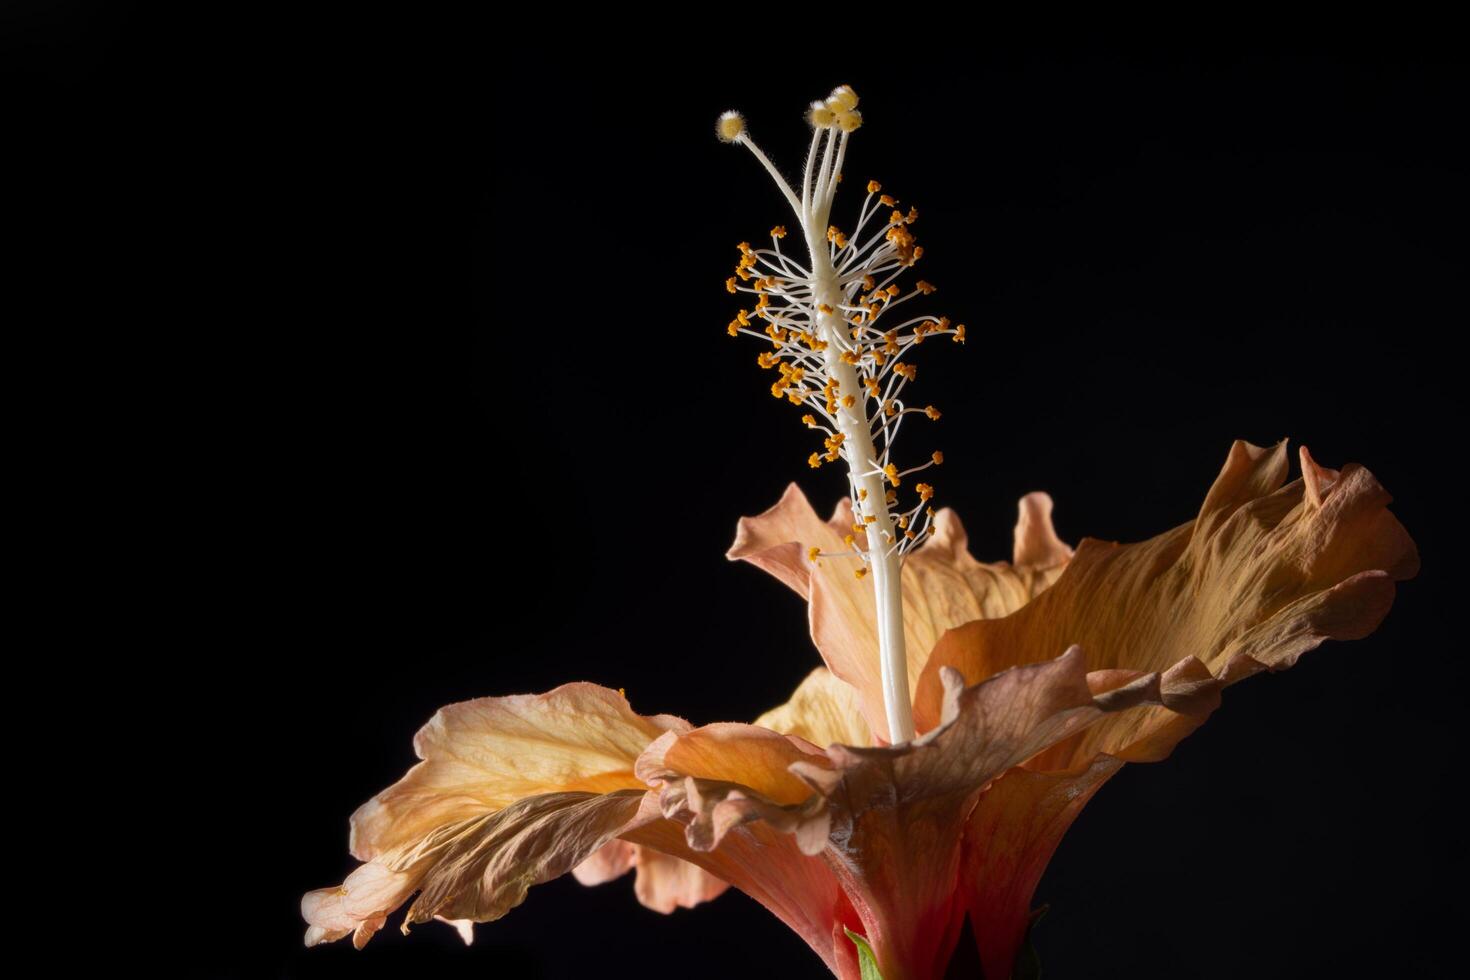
1025 708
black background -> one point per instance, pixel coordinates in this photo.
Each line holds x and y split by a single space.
434 401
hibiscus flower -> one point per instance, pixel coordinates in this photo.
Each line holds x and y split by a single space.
966 711
827 826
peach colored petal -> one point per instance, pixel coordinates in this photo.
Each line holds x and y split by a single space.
778 539
360 905
1263 574
724 776
482 755
732 753
612 860
663 883
943 585
824 710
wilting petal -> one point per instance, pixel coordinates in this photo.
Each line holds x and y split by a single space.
663 883
359 905
723 776
476 869
943 585
482 755
1261 576
824 710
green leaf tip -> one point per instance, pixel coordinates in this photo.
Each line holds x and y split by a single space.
867 962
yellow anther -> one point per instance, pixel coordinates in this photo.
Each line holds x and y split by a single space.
870 519
879 358
848 401
849 121
912 216
859 573
778 232
872 385
891 472
890 409
623 693
868 283
862 494
903 521
778 390
743 317
843 97
809 420
896 218
796 397
959 334
910 535
894 290
938 457
766 360
812 553
891 497
874 187
859 528
730 284
924 287
733 329
932 412
848 539
744 248
814 461
819 115
848 357
888 201
743 274
825 308
730 127
908 371
918 253
924 490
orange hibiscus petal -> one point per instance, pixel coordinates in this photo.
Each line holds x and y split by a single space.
663 883
1265 573
943 585
511 791
824 710
480 756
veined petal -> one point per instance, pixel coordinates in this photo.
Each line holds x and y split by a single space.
471 870
482 755
511 791
1264 574
943 585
